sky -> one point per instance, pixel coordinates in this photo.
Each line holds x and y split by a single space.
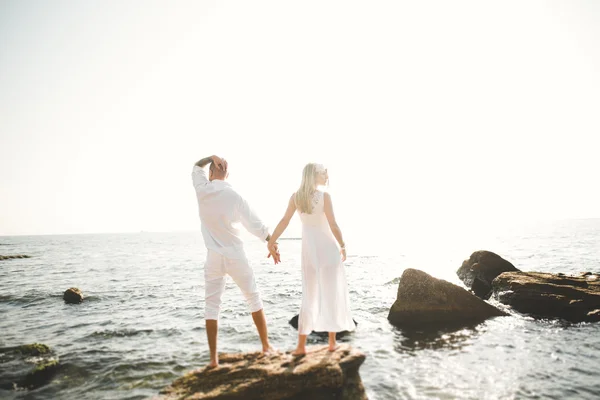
427 114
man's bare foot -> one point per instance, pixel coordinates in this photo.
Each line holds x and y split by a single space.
269 350
213 364
333 348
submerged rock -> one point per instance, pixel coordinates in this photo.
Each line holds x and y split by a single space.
481 269
423 300
573 298
41 374
73 296
254 376
14 256
294 323
28 366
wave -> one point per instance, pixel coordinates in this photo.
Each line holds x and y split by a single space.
109 333
14 257
25 299
119 333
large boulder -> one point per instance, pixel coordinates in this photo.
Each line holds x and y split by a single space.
478 272
423 301
573 298
27 367
254 376
73 296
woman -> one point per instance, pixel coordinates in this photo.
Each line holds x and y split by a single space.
325 306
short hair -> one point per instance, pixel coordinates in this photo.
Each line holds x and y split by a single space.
214 168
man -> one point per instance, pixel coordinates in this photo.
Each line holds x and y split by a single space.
221 206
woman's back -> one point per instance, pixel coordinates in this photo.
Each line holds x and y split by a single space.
317 217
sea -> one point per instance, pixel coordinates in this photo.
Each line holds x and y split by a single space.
141 324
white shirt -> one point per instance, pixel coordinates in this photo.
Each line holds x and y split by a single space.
220 207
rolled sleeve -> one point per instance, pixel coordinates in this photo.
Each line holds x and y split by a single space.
199 178
251 221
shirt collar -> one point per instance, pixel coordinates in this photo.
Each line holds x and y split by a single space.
219 183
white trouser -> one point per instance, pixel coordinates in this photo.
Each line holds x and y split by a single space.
215 269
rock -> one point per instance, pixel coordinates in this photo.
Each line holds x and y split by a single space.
14 256
294 323
543 295
73 296
253 376
35 349
423 300
590 276
481 269
28 366
41 374
586 273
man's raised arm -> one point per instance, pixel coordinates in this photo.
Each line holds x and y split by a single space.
219 162
203 162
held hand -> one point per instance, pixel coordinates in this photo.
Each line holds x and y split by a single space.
274 252
276 257
219 162
343 253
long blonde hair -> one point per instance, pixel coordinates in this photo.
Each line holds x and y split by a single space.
308 186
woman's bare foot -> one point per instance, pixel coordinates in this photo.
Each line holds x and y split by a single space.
332 342
213 364
333 347
299 352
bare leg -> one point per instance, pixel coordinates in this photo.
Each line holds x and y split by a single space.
332 344
261 326
301 349
212 328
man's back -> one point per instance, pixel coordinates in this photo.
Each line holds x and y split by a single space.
220 207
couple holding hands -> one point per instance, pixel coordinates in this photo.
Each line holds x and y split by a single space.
325 305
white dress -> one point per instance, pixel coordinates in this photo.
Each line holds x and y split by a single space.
325 306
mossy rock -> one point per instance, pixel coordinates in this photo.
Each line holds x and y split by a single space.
41 374
28 366
35 349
